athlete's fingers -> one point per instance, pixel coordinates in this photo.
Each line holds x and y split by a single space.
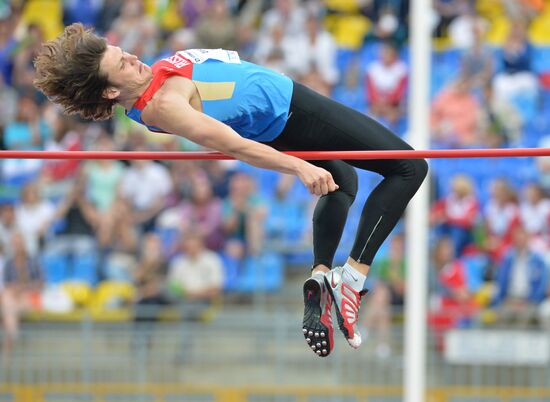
316 188
323 187
332 186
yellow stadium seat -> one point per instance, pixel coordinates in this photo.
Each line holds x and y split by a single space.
539 30
110 293
48 14
79 292
498 31
490 8
349 6
348 30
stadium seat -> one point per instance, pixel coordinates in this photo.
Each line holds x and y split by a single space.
85 268
263 273
55 267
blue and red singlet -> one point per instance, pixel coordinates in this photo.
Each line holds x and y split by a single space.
252 100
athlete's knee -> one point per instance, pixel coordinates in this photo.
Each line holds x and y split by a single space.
349 183
414 170
421 169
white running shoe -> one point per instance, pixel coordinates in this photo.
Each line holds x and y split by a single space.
347 301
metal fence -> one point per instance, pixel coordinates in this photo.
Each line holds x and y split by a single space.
241 355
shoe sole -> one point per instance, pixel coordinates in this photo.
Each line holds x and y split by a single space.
315 332
339 316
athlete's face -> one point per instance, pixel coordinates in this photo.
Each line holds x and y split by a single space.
124 71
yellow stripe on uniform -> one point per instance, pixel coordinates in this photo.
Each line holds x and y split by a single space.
210 91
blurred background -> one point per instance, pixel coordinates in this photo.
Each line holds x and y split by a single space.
181 280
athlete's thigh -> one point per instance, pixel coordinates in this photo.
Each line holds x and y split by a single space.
333 126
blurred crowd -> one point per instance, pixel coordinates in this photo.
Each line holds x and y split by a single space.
109 234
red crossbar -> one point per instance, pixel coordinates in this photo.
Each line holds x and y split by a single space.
308 155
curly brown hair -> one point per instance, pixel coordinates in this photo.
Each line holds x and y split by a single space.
67 72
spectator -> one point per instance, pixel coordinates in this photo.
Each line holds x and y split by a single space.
447 11
58 173
75 240
477 59
145 187
388 292
351 93
501 216
8 226
316 63
103 177
456 304
109 11
543 165
219 173
276 51
8 43
467 28
201 214
21 293
134 31
34 216
522 281
535 215
118 239
181 39
29 131
389 19
285 13
501 122
217 28
243 213
516 81
27 50
386 83
196 276
149 278
455 115
456 214
523 9
191 10
9 96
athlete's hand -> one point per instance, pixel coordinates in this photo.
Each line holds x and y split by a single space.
317 180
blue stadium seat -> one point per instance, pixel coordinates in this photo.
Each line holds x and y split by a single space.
262 273
541 59
85 268
55 267
231 272
476 266
169 239
284 220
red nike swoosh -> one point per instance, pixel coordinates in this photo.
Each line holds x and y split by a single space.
332 282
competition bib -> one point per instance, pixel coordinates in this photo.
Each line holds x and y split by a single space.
198 56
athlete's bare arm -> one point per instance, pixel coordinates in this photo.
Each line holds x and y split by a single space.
171 111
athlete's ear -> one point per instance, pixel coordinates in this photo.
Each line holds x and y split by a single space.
111 92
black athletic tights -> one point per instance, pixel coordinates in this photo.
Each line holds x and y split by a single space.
317 123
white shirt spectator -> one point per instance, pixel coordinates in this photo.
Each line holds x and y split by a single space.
321 54
519 282
535 217
31 219
387 80
293 22
197 275
142 186
499 218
